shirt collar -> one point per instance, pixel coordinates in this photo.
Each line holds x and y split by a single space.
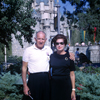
44 48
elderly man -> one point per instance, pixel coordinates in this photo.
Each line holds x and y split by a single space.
36 58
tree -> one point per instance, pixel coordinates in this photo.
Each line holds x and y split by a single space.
87 14
16 15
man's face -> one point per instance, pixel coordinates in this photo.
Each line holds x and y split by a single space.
40 40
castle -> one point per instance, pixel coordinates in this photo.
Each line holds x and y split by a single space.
44 12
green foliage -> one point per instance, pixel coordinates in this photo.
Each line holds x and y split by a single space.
16 15
8 89
88 21
87 14
75 36
62 18
17 64
14 59
91 69
88 85
13 96
77 68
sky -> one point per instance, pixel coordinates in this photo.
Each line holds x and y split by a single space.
67 5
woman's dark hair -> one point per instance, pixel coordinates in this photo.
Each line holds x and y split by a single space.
59 36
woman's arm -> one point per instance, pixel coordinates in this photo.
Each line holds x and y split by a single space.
72 76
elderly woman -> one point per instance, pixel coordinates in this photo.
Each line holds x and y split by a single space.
63 77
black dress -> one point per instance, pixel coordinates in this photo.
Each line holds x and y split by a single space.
61 86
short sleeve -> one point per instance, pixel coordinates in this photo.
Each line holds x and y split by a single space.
72 65
26 56
67 52
49 51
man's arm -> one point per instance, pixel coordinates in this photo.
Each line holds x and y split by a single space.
72 56
24 70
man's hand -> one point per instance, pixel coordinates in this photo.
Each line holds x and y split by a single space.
26 90
72 56
28 73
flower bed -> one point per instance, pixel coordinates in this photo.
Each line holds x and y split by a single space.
88 85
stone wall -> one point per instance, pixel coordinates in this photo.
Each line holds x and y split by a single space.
92 52
95 53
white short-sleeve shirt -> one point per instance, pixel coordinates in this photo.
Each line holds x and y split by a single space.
38 59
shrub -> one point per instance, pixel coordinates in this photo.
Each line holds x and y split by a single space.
91 69
77 68
16 64
14 59
88 85
8 88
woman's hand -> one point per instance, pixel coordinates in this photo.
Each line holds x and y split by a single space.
73 96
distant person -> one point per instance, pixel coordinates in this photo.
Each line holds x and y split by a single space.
77 55
95 42
84 59
77 44
82 44
89 42
99 43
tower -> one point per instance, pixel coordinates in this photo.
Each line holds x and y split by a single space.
44 12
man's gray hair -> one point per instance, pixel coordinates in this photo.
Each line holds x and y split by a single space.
40 32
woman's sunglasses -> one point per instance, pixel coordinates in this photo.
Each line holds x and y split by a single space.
57 43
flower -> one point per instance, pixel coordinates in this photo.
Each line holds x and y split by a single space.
79 88
80 84
47 54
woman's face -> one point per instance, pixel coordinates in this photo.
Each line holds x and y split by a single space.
60 45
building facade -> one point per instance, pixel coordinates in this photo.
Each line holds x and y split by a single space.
44 11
